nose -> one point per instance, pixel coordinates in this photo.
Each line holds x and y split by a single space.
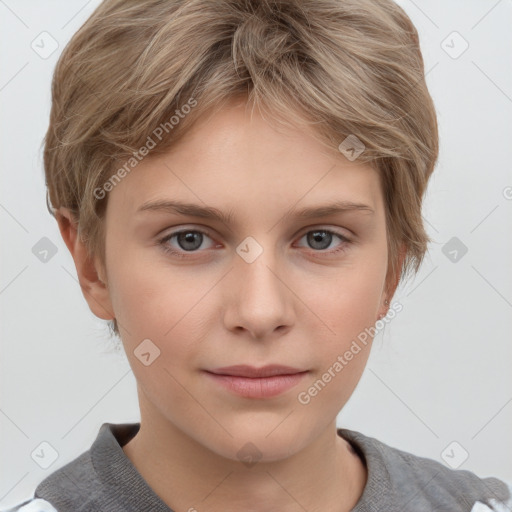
261 301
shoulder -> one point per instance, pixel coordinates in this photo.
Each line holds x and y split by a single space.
33 505
100 478
74 483
77 484
423 483
52 493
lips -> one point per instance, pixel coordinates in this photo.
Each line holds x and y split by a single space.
254 373
257 383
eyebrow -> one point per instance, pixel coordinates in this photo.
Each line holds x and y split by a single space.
209 212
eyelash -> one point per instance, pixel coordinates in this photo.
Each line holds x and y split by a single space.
184 254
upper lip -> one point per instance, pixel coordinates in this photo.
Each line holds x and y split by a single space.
243 370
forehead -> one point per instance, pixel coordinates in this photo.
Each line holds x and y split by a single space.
236 159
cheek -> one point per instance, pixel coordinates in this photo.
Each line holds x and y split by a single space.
167 306
148 296
349 300
348 306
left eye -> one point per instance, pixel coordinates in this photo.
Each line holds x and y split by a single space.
320 239
190 240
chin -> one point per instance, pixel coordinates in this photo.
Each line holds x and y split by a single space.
256 442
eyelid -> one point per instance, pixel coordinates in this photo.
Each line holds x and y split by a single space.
175 230
326 227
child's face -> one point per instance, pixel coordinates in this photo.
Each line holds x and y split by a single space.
299 303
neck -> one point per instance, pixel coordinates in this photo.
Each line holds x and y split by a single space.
326 475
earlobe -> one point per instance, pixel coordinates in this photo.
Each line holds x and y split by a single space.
88 270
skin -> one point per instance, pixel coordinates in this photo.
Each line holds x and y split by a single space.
298 304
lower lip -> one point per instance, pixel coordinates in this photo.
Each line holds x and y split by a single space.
263 387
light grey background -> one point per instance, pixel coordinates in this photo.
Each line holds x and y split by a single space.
438 373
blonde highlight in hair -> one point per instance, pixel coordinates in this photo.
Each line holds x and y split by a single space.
340 67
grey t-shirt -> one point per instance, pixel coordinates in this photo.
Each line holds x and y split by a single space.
104 479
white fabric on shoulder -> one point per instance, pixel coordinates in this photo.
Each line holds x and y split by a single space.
35 505
497 506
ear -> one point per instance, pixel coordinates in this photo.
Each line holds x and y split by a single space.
90 272
392 283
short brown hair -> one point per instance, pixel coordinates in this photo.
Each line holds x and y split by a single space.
342 67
